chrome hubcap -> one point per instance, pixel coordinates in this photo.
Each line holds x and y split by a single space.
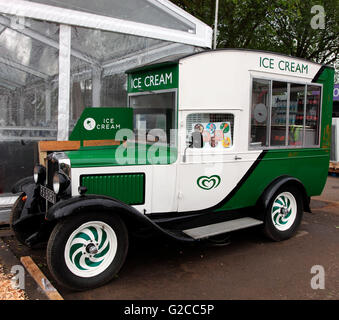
91 249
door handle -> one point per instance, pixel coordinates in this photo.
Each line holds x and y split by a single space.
237 158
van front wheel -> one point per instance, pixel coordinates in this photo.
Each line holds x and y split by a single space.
283 214
87 250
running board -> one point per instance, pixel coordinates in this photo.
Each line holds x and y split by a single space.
221 227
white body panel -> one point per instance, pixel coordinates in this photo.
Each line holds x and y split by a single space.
229 164
221 79
160 184
165 198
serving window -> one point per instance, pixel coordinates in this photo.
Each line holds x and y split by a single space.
284 114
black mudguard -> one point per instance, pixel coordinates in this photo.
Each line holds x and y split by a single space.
275 185
21 184
30 222
98 203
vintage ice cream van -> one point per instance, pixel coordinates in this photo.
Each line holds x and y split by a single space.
209 143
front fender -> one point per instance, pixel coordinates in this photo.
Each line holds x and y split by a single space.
32 205
27 217
78 204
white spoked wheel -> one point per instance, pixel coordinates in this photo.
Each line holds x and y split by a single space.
90 249
87 250
284 211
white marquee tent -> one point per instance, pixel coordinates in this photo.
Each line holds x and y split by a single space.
59 56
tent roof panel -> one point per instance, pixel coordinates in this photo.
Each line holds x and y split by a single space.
26 54
154 15
143 11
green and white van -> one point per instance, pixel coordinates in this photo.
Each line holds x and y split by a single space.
210 143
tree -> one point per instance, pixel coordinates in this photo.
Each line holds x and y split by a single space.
281 26
291 31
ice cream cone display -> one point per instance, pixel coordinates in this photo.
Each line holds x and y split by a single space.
216 135
226 143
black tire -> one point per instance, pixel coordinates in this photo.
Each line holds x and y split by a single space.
280 223
15 216
57 246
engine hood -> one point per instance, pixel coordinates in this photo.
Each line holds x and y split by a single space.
122 156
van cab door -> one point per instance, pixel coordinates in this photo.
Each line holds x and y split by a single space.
208 173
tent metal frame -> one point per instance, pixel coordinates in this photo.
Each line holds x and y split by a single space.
200 36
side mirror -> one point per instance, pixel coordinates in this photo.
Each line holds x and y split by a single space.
197 140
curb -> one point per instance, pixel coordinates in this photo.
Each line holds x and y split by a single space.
40 278
32 290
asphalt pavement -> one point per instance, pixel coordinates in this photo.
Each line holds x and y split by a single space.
249 267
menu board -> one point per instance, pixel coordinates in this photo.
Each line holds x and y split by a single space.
216 135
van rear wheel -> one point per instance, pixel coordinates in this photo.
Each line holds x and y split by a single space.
87 250
283 214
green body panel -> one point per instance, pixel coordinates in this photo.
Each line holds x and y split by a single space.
128 188
102 123
132 155
310 166
326 78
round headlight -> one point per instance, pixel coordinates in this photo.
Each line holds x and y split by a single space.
35 176
60 182
56 183
39 174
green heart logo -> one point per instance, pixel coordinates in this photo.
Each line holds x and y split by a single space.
208 183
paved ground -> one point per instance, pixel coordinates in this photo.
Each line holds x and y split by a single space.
7 261
250 267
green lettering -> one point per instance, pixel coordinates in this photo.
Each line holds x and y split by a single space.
298 68
304 68
263 63
292 66
281 61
